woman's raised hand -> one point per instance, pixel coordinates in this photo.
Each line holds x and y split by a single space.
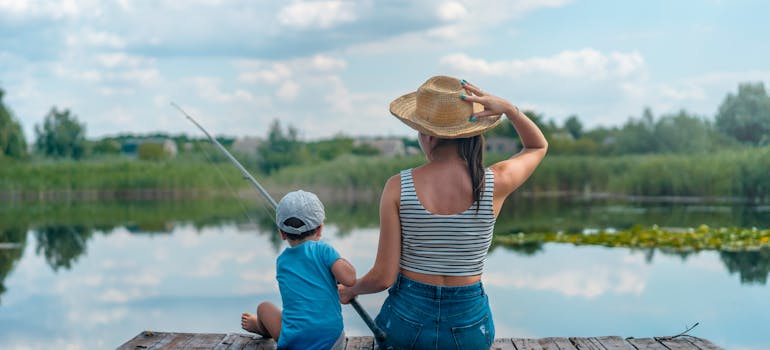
493 105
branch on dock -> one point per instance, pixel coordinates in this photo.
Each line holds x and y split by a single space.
681 334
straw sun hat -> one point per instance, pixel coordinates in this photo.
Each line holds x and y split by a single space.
436 109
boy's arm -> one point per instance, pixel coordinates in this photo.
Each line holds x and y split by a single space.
344 272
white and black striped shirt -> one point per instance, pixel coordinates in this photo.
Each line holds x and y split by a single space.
450 245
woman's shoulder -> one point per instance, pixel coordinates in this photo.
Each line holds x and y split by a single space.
392 189
394 180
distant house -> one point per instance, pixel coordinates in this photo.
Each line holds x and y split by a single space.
387 147
247 145
131 147
496 144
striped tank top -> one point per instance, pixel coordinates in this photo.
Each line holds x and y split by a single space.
450 245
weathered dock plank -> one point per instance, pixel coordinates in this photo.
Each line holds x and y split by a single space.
204 342
232 341
549 343
586 343
503 344
646 344
615 342
360 343
150 340
562 343
702 343
526 344
680 343
144 340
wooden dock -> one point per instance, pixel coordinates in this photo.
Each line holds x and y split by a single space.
150 340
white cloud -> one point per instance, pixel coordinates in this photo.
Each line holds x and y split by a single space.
62 70
460 24
16 7
584 64
120 117
142 76
99 317
288 90
275 72
254 73
98 39
123 295
121 59
587 283
291 76
211 265
52 9
317 14
209 89
683 93
451 10
327 63
339 97
146 278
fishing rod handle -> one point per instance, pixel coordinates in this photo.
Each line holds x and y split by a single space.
378 333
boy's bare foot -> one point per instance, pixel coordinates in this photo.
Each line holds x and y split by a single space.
249 323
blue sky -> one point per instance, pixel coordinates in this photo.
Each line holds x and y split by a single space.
332 67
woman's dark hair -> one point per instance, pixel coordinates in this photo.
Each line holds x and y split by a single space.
471 150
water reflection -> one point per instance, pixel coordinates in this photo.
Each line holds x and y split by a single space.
61 245
62 232
752 266
14 239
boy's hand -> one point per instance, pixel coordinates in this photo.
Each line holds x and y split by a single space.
346 295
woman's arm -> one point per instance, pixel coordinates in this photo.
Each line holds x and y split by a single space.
512 172
386 264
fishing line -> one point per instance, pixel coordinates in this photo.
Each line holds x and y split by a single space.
378 333
235 194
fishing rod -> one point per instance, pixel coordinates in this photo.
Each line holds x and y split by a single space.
378 333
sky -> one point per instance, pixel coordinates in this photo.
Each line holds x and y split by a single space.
333 67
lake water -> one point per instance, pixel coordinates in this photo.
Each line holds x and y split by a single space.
93 276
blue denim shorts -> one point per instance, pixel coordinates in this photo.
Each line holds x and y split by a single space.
423 316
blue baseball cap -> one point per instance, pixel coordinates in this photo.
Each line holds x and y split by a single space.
302 205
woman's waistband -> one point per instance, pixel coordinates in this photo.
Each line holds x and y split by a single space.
438 292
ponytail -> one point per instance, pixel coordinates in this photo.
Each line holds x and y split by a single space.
471 149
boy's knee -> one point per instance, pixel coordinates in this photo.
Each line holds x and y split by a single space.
266 307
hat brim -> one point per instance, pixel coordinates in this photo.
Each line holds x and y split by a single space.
404 108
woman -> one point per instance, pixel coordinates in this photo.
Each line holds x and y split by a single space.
436 220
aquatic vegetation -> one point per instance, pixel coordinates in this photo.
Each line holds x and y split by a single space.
678 239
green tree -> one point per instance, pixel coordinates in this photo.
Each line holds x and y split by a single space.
331 148
683 133
637 135
106 146
61 135
12 141
746 116
281 149
574 126
506 129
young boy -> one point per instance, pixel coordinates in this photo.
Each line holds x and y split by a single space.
307 272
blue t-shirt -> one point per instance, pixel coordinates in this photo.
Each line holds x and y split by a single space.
312 316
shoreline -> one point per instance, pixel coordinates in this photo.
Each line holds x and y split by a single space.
334 195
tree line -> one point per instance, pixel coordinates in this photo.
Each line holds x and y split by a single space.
742 120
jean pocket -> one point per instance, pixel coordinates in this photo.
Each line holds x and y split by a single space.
477 335
401 332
